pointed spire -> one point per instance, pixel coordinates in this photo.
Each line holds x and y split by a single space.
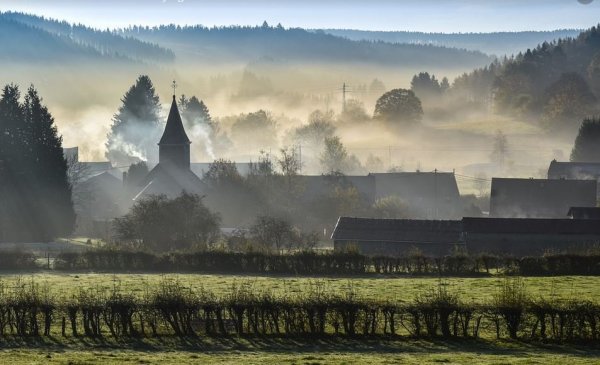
174 133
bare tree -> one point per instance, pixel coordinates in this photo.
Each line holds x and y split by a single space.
272 232
501 149
290 165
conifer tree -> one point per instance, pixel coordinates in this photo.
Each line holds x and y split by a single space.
194 111
35 192
49 186
136 126
587 143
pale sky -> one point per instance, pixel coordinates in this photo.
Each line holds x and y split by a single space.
413 15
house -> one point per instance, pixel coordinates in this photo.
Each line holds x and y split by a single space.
429 195
539 198
396 237
97 199
172 175
527 236
584 213
574 170
501 236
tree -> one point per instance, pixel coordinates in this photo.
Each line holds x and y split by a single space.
272 232
354 112
391 207
400 106
594 74
194 112
567 100
334 157
36 193
255 130
587 143
444 85
319 127
290 165
263 167
50 189
376 87
500 149
289 162
222 172
426 86
374 164
162 224
136 126
136 173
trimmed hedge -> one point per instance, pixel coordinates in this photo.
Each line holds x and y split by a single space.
334 263
170 309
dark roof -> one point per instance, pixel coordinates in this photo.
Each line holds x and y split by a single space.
584 212
574 170
396 230
170 182
539 198
174 132
530 226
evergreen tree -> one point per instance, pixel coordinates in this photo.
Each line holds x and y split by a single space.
12 212
194 112
49 187
136 126
587 143
36 194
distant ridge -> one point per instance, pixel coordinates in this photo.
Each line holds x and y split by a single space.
496 43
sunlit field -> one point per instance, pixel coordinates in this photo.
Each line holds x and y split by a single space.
476 290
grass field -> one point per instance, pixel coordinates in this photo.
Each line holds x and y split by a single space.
279 350
478 290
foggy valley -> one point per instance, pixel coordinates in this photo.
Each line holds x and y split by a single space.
319 182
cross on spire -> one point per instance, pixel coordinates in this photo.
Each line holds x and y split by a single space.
174 86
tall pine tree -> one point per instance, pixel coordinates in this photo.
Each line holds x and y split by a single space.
36 194
136 126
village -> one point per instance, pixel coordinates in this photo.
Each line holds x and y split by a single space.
526 216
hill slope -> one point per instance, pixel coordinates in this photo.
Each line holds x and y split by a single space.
28 37
248 44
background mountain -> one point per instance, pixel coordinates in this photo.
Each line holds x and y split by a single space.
497 43
31 38
244 43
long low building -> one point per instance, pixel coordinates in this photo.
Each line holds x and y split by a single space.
396 237
528 236
502 236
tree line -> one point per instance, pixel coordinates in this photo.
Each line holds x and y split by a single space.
557 82
171 309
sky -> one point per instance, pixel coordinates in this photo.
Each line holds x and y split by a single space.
447 16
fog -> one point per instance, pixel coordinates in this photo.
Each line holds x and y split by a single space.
83 100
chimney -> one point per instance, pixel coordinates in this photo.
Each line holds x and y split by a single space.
124 178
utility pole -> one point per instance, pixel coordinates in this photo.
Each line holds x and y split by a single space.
300 156
344 97
435 204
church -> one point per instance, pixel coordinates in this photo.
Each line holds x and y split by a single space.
172 175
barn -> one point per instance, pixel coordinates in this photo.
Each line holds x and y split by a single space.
396 237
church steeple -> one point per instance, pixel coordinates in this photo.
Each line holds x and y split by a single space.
174 145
